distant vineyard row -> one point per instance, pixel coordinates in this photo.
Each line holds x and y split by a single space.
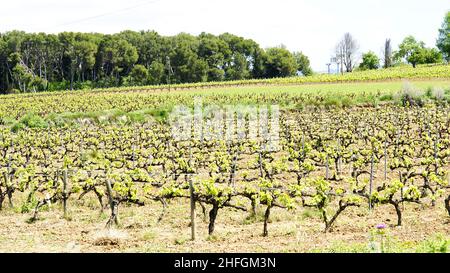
394 73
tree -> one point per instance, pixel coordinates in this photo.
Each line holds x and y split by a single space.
415 52
139 75
238 70
280 63
21 76
432 55
409 50
4 77
187 65
244 59
67 62
443 42
213 50
303 64
26 79
84 52
370 61
53 55
156 73
346 51
149 44
116 56
387 54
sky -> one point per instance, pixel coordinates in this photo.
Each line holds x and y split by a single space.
310 26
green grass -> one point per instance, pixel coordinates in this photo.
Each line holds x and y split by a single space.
149 235
309 213
370 87
438 243
345 93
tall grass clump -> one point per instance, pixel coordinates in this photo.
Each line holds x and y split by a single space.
30 120
438 93
409 95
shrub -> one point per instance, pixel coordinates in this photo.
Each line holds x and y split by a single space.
13 91
33 121
410 96
30 121
387 97
438 93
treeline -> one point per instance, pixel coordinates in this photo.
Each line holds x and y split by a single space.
68 60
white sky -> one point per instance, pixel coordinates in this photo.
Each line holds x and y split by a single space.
312 26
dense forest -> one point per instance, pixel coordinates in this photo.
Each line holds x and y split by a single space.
68 60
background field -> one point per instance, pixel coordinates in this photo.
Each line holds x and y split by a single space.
78 104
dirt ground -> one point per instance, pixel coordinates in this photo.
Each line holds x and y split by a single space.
139 231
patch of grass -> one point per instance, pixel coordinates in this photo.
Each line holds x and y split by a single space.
252 218
310 213
74 118
332 102
386 97
342 247
67 217
159 114
102 216
213 238
180 241
436 244
149 235
7 121
91 203
346 102
30 120
137 117
26 206
56 120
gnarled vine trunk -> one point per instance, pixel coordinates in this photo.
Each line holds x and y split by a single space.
266 221
447 205
253 211
212 218
114 214
399 212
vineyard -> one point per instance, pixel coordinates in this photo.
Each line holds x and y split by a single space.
221 136
394 73
334 162
59 108
335 158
